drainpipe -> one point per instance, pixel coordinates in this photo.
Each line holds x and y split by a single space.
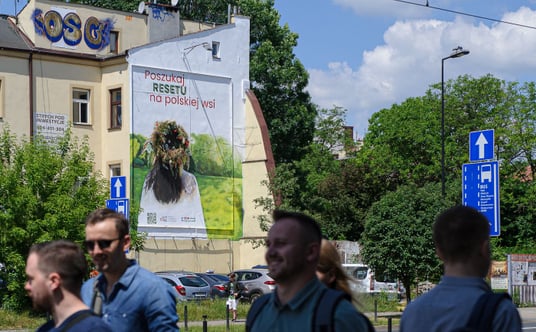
31 93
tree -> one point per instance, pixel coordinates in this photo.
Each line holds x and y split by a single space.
397 240
279 81
46 192
319 184
403 145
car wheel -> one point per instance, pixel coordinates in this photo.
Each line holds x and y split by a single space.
253 297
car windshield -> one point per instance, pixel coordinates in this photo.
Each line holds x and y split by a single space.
193 281
219 277
359 272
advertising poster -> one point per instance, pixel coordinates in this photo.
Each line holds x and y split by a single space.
519 272
51 126
499 275
186 172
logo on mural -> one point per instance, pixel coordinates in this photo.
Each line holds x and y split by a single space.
54 27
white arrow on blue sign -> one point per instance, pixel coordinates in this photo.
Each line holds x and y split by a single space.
118 187
481 145
480 190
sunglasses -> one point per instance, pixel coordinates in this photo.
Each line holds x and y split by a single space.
103 244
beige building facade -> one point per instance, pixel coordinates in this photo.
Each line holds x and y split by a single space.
65 64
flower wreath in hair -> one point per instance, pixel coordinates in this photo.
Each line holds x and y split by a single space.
169 143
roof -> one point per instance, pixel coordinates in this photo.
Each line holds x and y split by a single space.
11 37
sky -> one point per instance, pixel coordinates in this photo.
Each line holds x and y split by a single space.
366 55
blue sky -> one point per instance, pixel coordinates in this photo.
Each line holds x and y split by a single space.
365 55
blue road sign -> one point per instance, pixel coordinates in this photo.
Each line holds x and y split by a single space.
480 190
481 145
119 205
118 187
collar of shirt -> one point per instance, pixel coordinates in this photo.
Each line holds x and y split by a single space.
124 281
305 295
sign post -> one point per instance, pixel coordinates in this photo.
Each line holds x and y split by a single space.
480 179
118 195
480 182
481 145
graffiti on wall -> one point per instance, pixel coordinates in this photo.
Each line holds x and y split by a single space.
69 28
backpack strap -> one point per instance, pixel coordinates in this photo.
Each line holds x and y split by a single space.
481 318
255 309
96 301
325 309
80 317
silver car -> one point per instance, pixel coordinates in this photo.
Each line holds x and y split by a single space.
188 285
256 282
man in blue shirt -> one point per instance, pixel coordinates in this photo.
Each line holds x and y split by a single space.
292 253
461 237
55 271
128 297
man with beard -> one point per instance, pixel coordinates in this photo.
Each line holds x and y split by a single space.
129 297
293 249
461 237
55 271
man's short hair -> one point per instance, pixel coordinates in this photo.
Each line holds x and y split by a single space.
65 258
99 215
459 232
311 229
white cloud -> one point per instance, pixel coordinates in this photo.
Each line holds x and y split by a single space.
409 61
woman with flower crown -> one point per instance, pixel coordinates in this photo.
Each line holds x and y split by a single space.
170 197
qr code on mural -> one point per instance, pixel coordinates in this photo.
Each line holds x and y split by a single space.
151 218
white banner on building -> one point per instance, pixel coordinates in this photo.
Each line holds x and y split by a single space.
51 126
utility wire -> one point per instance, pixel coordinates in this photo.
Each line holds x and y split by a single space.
466 14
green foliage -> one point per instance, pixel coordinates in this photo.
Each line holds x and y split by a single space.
123 5
279 81
214 156
397 240
45 193
381 301
310 184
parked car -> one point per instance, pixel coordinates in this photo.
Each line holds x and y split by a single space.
189 285
365 281
256 283
217 283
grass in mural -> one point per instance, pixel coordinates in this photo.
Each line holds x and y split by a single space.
221 198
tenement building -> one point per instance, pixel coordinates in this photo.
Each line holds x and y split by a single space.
162 101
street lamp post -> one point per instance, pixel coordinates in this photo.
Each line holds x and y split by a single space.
456 53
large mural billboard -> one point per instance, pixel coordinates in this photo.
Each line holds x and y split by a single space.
186 172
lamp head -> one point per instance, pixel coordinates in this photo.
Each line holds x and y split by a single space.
458 52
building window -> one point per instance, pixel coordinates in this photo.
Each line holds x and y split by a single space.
215 50
115 170
114 42
115 108
81 106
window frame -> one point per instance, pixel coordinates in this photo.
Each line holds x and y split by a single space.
115 121
80 102
113 169
114 43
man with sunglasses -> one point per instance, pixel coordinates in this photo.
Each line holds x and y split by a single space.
127 296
